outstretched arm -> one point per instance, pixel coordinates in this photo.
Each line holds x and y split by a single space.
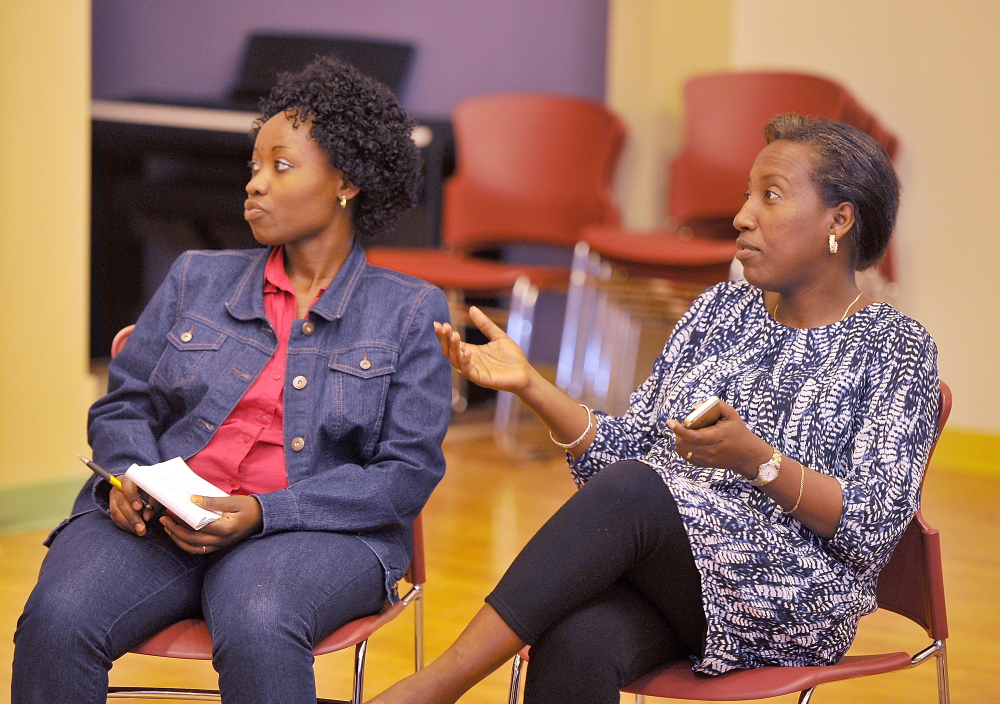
501 365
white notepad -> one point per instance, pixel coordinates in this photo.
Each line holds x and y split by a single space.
172 483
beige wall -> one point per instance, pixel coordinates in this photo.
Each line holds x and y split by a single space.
44 231
653 46
929 70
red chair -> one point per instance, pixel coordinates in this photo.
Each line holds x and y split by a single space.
532 169
724 115
190 640
911 585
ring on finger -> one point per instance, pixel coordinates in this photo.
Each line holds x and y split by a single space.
688 456
204 549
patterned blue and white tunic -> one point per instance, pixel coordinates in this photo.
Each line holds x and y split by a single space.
857 400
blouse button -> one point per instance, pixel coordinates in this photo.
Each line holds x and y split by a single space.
300 382
308 328
186 336
298 443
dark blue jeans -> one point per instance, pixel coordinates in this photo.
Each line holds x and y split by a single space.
102 591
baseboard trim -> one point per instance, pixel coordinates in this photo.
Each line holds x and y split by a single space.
37 506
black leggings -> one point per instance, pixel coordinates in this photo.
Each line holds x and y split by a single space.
605 591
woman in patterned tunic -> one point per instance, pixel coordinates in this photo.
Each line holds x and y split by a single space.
755 541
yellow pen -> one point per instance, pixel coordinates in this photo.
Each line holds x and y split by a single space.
101 472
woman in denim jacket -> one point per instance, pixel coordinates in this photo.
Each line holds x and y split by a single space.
300 380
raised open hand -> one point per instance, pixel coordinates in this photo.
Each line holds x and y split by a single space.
499 364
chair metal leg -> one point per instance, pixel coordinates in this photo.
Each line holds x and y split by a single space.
360 650
418 629
573 317
944 692
640 699
516 675
596 338
519 327
805 696
938 650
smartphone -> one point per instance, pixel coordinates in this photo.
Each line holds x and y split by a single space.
704 414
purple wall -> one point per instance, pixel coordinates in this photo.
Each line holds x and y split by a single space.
191 48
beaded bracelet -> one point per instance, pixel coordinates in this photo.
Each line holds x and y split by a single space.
802 486
571 445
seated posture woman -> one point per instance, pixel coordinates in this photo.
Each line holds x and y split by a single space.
305 383
755 541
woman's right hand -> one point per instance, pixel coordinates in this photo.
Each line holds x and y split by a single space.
499 364
128 511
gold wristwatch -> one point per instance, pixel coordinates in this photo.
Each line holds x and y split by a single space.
767 472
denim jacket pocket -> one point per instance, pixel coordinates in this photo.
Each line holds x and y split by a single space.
190 344
361 377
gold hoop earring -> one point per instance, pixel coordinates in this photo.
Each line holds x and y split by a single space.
833 244
343 203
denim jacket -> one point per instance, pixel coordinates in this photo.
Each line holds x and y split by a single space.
363 420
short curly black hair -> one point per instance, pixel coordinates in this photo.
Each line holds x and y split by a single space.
360 125
850 166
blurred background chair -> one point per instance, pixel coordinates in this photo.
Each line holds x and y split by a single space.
190 640
532 170
626 283
911 585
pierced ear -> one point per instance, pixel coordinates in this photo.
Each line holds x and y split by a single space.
843 220
348 190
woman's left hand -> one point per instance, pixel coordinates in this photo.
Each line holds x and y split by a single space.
241 516
728 444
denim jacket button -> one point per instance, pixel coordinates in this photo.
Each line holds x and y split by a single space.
300 382
186 336
308 328
298 443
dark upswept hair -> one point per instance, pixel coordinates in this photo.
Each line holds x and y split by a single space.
849 166
365 133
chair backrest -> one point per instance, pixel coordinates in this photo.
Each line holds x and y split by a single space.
912 583
724 115
121 337
417 573
530 168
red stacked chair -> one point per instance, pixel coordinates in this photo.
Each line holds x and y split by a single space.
531 169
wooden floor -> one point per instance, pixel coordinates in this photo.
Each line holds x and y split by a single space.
488 506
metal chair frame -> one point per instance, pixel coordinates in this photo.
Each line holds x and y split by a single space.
606 311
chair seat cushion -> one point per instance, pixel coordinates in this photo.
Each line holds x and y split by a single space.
190 640
453 270
659 247
678 681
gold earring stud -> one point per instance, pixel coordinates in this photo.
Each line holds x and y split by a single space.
343 202
833 244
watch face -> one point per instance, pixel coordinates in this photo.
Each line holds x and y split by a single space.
766 474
